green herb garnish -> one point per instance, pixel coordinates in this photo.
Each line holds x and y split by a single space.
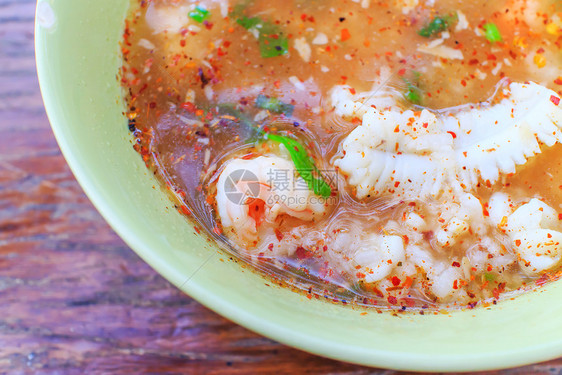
303 162
304 165
249 23
274 105
199 14
413 93
436 26
271 40
489 276
492 33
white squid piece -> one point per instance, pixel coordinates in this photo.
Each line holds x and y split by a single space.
379 256
251 194
495 139
396 152
534 230
461 216
416 155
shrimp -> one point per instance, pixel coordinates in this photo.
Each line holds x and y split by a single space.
253 194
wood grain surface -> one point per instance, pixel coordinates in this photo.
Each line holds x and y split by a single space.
73 297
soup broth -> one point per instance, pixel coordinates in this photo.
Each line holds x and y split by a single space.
399 154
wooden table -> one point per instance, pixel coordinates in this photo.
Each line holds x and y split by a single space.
73 297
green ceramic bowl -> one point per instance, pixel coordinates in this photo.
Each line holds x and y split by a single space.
77 59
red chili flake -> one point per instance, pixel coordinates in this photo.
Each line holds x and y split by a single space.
558 81
278 235
360 275
302 253
256 210
352 91
185 210
453 134
517 243
555 99
473 62
463 82
397 129
540 50
188 106
182 42
401 72
392 300
345 35
249 156
395 281
542 280
455 284
559 216
456 264
217 230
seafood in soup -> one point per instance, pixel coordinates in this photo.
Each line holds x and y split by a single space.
397 154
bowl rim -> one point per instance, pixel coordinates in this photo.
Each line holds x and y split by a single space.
257 323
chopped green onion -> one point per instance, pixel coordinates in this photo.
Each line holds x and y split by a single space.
199 14
436 26
274 105
413 93
271 40
492 33
489 276
249 23
304 165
